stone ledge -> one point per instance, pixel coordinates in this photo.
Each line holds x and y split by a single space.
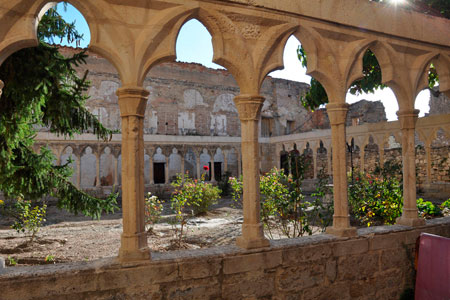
318 263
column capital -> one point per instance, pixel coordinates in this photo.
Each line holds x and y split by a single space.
408 118
132 101
249 106
337 113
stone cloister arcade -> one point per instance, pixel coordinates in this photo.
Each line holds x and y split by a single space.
99 165
248 39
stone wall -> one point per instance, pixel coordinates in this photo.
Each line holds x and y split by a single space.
377 264
439 103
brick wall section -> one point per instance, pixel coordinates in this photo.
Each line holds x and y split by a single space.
375 265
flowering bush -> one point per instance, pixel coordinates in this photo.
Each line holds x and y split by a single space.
29 219
375 200
153 211
283 207
191 194
236 188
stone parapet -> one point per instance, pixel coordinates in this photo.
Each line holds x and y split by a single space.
376 264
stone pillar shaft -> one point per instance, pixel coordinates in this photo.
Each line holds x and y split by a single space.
116 171
197 162
249 108
97 181
337 113
151 175
315 163
79 172
410 215
132 103
213 177
239 163
362 154
225 161
166 170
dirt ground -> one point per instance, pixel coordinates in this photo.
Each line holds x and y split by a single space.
66 237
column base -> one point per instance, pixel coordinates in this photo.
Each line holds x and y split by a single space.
244 243
133 256
411 222
342 232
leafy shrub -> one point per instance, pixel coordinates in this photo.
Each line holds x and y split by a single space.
445 204
30 219
224 184
445 207
153 210
284 209
193 195
236 188
374 200
427 209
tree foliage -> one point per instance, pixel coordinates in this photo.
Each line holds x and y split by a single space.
371 80
43 89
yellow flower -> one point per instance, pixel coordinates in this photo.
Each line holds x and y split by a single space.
2 202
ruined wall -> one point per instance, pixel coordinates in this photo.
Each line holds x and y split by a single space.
189 99
361 112
377 264
439 103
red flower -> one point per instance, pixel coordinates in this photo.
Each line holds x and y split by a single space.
205 167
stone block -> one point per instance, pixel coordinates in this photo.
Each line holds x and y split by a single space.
331 270
200 268
198 289
251 285
251 262
150 274
396 259
357 267
336 291
386 241
300 277
350 247
310 253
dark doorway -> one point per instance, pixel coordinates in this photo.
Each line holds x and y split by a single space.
159 172
284 162
218 171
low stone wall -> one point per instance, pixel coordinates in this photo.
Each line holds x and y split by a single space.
378 264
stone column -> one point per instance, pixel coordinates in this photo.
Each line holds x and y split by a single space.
166 171
213 177
278 157
197 162
132 103
97 157
315 162
116 170
151 175
362 152
249 108
79 172
183 171
225 161
410 215
381 152
337 113
1 87
239 168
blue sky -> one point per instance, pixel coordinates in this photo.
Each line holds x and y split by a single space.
194 45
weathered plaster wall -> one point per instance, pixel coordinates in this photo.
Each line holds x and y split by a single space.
377 264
